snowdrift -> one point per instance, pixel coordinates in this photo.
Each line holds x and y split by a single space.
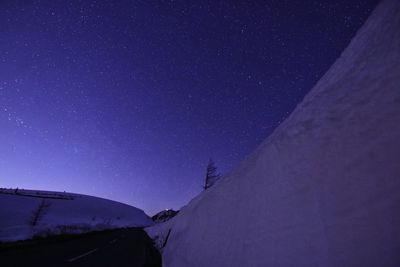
20 217
324 188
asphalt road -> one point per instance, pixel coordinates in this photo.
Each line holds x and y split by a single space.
122 247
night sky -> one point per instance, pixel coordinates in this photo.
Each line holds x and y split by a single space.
128 100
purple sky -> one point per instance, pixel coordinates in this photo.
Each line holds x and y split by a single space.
128 100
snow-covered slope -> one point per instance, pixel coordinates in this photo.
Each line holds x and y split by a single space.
61 213
324 188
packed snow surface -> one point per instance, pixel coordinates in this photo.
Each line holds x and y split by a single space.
324 188
61 213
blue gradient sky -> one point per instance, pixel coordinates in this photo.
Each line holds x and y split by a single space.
129 100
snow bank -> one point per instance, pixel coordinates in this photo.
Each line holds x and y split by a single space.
62 213
324 188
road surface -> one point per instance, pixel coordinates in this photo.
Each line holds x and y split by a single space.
122 247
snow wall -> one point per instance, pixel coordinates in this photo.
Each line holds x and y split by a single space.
64 213
324 188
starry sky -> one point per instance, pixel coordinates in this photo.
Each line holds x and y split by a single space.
128 100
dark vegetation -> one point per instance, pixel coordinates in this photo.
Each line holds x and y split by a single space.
39 212
164 215
38 194
212 176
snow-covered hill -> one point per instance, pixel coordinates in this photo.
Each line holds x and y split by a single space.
25 213
324 188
